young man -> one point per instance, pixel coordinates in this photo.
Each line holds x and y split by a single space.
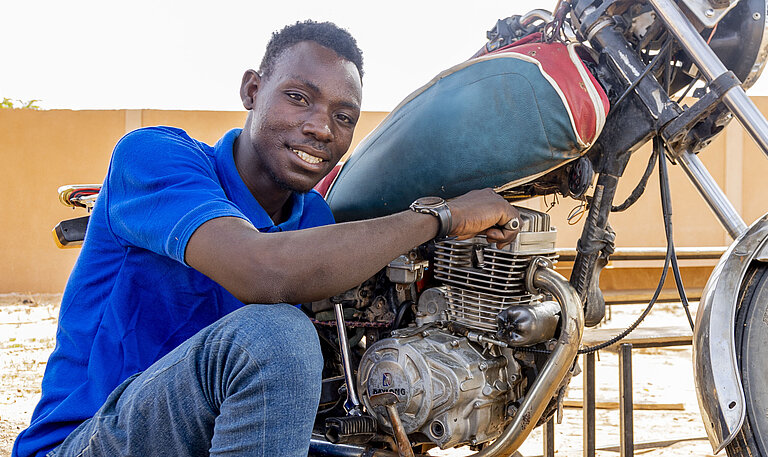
157 353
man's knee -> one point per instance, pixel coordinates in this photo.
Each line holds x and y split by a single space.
277 333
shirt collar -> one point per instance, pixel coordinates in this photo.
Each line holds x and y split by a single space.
241 196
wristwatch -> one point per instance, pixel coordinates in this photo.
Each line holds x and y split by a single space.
437 207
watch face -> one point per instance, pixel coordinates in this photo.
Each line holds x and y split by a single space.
430 201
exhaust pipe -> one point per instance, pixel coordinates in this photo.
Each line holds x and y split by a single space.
541 276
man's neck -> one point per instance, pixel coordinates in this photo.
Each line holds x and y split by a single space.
273 198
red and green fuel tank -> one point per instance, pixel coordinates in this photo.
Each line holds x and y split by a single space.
496 121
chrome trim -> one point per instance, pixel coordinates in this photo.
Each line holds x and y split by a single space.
716 373
762 56
529 17
554 371
352 405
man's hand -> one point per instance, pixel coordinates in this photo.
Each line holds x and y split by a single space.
483 212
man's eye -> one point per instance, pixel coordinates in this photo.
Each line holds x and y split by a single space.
345 119
297 97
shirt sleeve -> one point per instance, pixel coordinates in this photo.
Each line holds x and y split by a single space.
161 186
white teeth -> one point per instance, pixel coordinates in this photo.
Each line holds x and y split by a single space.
306 157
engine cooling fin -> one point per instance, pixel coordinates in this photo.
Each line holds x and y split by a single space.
481 280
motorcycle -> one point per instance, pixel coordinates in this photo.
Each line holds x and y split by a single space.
460 342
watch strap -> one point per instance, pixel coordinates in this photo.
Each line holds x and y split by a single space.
440 210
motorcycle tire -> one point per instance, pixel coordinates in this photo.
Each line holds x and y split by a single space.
752 352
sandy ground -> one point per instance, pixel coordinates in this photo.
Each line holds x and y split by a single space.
28 326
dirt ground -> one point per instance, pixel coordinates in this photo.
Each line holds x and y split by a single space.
28 327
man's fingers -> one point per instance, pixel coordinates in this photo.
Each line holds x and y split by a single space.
501 237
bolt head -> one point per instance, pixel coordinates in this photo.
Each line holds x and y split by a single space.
756 16
709 13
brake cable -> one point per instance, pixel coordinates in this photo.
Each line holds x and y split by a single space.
666 199
638 191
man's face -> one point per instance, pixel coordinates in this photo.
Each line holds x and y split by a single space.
303 115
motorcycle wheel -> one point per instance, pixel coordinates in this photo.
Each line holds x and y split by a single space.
752 353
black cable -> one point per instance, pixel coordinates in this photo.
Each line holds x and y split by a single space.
688 89
666 205
637 192
645 72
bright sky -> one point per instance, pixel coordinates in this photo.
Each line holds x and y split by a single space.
97 54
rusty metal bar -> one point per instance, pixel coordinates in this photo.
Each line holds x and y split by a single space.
589 405
549 437
626 423
654 253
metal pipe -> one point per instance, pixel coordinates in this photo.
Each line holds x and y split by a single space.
352 405
748 115
719 204
626 422
589 415
711 67
549 438
654 253
531 16
403 445
320 447
556 368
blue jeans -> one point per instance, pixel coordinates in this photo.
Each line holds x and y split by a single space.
247 385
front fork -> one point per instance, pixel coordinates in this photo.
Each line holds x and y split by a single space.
716 372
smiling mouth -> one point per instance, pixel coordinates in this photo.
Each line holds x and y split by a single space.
309 158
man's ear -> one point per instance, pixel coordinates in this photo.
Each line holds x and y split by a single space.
249 87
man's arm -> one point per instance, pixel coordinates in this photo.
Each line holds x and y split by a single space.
312 264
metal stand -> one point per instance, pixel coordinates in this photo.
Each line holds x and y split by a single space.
549 437
655 338
626 432
589 405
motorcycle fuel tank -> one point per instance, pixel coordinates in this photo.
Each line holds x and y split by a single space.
497 121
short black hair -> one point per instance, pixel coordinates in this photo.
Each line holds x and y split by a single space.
326 34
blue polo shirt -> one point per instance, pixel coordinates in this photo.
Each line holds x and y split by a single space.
131 298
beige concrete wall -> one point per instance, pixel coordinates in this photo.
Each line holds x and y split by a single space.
45 149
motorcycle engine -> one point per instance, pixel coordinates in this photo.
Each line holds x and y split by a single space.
455 371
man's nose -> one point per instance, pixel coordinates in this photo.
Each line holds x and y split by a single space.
318 125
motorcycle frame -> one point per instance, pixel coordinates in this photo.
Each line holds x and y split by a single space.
716 373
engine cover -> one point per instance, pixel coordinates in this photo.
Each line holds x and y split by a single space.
447 389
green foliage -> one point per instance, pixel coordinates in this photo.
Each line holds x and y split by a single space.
8 103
